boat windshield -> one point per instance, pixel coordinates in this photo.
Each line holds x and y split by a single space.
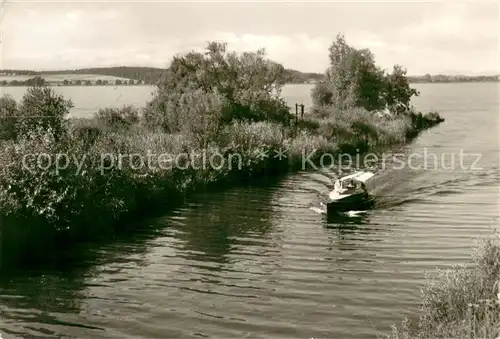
349 184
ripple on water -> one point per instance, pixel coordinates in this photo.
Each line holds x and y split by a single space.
258 262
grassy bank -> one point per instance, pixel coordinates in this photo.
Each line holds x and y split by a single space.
62 180
462 302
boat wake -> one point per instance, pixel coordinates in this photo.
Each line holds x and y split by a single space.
318 210
396 188
352 214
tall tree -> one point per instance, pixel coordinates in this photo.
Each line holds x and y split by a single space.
249 85
352 79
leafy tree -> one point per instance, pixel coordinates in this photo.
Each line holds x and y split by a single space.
42 109
353 80
65 82
117 118
399 92
118 82
8 118
98 82
78 82
249 83
202 115
36 81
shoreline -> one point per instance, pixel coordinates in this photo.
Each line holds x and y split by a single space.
288 83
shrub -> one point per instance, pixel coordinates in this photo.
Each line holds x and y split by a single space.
197 114
42 109
249 83
87 130
353 80
461 302
398 91
116 118
8 118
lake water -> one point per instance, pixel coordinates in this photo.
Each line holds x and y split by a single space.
88 100
258 262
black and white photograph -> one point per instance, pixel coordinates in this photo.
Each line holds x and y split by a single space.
249 169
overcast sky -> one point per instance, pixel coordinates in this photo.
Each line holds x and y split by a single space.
425 37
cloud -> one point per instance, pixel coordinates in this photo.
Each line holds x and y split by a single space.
424 37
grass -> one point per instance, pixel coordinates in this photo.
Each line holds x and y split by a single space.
462 302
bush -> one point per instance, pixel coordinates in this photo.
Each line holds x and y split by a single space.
117 118
8 118
463 302
353 80
196 113
398 92
42 109
249 84
87 130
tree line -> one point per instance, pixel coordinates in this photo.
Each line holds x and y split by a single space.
40 81
152 75
141 75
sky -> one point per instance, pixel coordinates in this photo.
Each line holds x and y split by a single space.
452 37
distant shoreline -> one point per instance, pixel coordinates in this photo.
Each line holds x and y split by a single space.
287 83
149 76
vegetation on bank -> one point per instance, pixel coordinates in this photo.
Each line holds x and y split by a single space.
129 76
152 75
462 302
66 179
40 80
443 78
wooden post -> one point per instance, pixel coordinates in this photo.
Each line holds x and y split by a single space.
302 112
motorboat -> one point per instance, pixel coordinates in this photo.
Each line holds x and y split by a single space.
350 193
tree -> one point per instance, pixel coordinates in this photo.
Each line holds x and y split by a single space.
249 83
8 118
354 80
398 90
118 118
118 82
36 81
78 82
42 109
98 82
65 82
351 80
202 115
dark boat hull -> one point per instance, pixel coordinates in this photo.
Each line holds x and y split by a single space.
358 202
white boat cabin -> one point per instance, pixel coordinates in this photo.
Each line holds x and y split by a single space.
352 183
